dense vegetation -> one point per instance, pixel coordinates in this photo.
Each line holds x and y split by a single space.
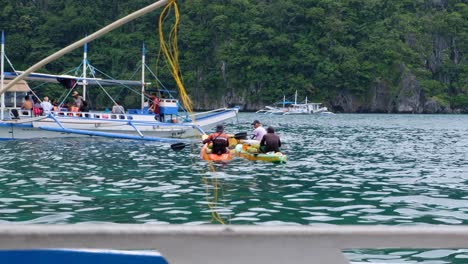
353 55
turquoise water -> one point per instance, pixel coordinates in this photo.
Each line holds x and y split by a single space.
343 169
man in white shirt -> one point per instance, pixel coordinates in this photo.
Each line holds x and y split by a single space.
46 106
259 131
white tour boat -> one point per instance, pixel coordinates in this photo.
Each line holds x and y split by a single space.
138 124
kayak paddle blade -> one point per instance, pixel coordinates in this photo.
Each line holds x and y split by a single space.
241 135
178 146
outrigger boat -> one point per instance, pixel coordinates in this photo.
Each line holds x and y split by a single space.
294 108
137 124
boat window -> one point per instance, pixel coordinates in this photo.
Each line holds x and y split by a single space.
97 116
130 117
113 116
122 117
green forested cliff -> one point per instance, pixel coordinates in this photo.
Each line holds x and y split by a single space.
352 55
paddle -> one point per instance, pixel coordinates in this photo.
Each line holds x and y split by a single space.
241 135
181 145
178 146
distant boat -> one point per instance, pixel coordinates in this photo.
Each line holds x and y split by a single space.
293 108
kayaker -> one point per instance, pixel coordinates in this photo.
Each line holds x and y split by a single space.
270 142
258 131
219 139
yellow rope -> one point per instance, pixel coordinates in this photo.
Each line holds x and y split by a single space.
170 51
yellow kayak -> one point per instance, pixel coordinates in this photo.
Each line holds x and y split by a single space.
248 151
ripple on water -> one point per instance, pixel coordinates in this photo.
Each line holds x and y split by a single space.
345 169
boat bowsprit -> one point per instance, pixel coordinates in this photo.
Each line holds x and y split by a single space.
250 151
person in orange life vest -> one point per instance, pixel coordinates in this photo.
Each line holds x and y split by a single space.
219 139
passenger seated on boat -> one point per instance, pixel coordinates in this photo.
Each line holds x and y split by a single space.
118 109
84 106
77 99
46 106
55 105
27 105
219 139
270 141
37 108
74 109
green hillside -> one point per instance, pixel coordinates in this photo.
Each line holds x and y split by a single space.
352 55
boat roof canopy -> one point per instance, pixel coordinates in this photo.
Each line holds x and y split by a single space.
21 86
52 78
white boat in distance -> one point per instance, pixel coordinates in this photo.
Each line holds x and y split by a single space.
294 108
137 124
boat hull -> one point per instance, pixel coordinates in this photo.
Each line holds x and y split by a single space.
63 125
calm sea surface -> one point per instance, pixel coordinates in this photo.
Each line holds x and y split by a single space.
342 169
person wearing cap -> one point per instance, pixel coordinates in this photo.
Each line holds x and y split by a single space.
77 100
258 131
219 139
270 142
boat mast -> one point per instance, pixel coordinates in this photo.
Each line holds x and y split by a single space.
143 65
295 98
85 59
2 75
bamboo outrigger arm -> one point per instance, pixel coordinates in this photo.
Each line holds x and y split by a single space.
87 39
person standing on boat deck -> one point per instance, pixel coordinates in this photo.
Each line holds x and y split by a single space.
219 139
154 107
46 106
258 131
270 142
77 99
118 109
